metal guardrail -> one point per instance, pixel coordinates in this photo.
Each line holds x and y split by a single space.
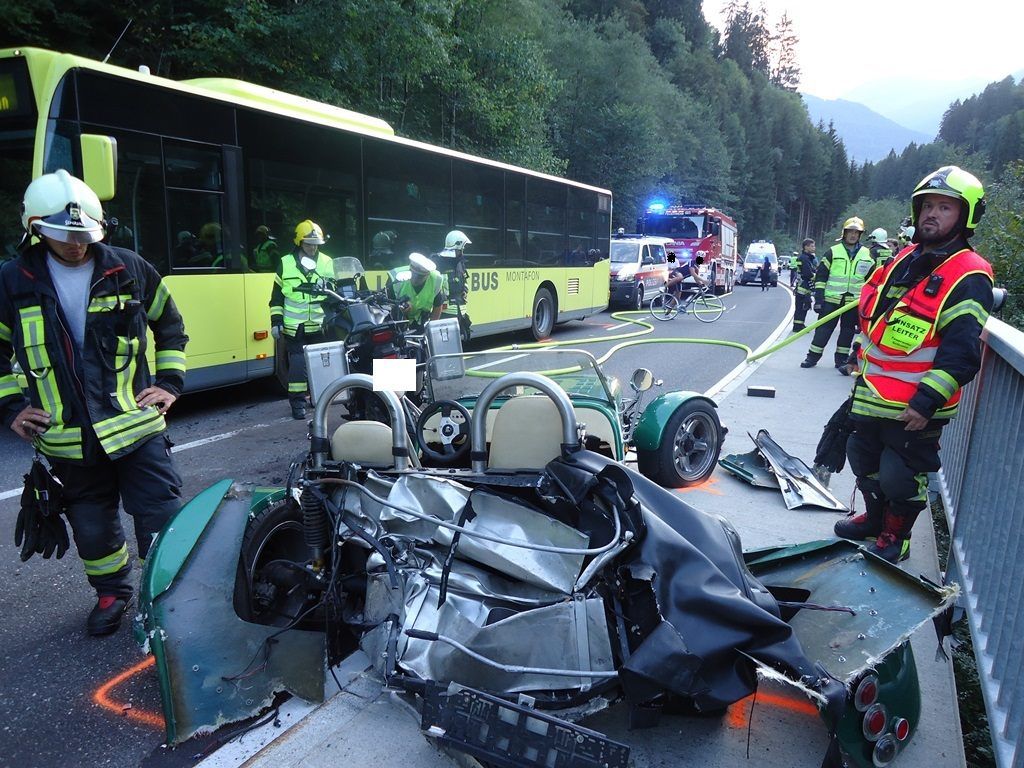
982 471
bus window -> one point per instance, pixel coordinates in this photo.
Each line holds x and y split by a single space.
138 204
408 192
545 222
313 175
17 123
582 223
194 205
515 218
479 197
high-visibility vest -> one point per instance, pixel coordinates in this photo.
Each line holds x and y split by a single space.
900 345
422 301
300 310
846 275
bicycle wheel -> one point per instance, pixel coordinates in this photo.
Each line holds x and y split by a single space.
707 308
664 306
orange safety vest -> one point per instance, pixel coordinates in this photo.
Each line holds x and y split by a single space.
900 345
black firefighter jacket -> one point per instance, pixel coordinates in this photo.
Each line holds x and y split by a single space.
89 393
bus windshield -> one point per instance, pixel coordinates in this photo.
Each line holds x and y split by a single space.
624 253
676 227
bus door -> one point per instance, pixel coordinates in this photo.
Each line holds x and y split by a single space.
207 265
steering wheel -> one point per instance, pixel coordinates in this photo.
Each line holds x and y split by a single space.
452 432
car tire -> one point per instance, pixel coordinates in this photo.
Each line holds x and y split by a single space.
275 533
638 298
543 318
689 447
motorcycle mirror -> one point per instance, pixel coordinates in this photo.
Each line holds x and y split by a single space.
641 380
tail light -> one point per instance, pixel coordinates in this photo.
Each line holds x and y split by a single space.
875 721
885 751
866 693
901 728
382 336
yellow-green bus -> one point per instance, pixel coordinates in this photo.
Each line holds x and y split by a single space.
206 167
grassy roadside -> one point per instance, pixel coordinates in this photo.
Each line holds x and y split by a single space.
973 719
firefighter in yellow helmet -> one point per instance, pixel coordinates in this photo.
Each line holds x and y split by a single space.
295 316
840 276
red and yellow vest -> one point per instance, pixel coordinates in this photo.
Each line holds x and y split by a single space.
900 345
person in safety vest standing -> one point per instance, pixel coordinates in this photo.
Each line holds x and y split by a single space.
807 263
794 269
266 254
840 276
420 287
878 244
294 315
456 275
74 313
921 318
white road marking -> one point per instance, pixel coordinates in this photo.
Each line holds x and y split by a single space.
497 362
184 446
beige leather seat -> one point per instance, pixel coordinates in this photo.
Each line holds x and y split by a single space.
367 443
527 433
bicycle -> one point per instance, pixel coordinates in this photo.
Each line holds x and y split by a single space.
703 305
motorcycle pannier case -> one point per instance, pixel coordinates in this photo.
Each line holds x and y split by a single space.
325 363
444 338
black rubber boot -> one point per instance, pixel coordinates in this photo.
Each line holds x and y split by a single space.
867 525
810 361
298 409
105 617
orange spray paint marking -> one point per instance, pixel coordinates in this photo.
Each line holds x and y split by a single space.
101 698
739 713
708 486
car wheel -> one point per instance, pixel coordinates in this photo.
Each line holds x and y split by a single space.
543 314
689 447
638 300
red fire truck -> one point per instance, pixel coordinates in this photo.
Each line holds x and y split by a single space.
696 231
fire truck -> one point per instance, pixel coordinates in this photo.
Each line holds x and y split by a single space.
696 231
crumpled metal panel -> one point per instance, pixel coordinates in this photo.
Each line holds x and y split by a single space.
214 667
751 467
797 482
571 634
508 520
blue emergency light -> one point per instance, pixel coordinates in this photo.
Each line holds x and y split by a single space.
656 207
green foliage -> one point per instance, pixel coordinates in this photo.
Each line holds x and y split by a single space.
633 95
886 213
1000 237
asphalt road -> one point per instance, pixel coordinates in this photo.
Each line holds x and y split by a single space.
71 699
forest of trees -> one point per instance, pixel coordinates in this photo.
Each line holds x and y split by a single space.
640 96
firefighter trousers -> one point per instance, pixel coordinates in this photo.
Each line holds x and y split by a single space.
847 328
894 462
297 385
147 484
802 304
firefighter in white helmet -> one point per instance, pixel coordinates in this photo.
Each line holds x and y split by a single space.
74 314
840 276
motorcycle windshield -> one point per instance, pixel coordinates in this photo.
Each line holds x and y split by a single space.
574 370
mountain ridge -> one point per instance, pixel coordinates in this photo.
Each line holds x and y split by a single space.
868 135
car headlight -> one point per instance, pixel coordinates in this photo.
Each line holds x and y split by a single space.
624 275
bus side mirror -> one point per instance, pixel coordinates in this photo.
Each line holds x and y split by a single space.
99 164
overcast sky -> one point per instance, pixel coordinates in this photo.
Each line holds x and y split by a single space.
845 45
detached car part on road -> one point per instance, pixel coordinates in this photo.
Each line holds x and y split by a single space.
576 582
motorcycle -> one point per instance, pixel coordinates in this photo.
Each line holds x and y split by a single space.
372 326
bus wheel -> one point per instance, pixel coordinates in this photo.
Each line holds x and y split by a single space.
543 314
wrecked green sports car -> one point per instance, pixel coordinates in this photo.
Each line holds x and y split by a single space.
512 596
